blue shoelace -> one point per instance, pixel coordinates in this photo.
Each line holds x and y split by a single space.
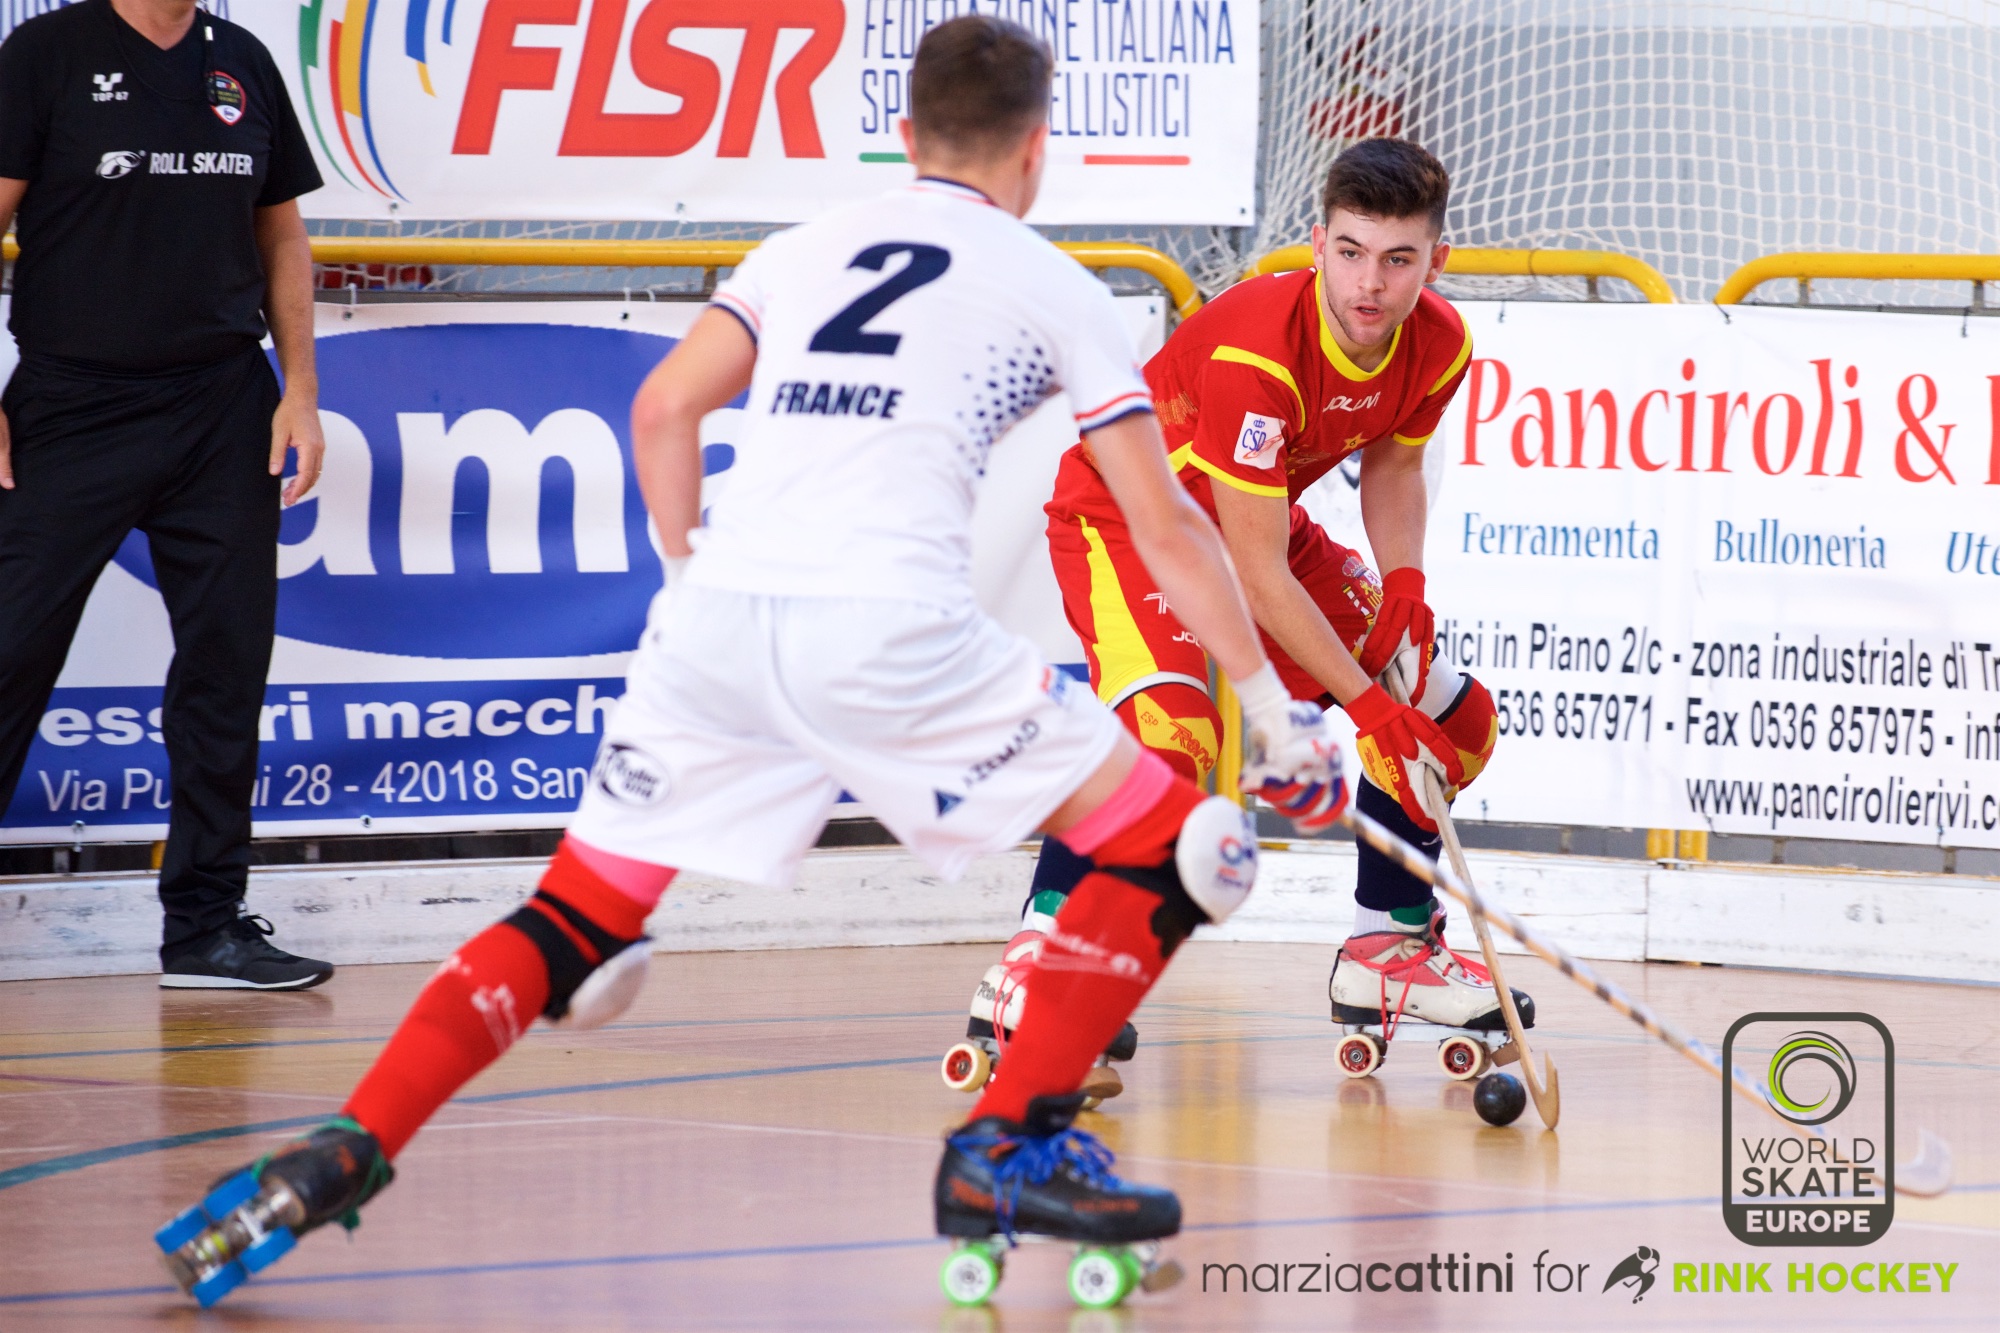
1034 1160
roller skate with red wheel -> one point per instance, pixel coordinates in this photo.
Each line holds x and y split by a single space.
253 1217
1003 1182
996 1011
1406 981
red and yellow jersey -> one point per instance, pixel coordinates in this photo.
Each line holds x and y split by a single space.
1253 392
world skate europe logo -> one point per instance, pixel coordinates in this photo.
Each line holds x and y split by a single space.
1832 1180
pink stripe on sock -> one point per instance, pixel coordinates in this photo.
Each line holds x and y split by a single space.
641 881
1139 792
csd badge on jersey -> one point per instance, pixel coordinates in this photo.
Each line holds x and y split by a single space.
630 776
225 97
1257 444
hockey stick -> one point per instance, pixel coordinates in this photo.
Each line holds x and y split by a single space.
1928 1173
1542 1085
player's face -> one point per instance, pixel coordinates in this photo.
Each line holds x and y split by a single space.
1373 270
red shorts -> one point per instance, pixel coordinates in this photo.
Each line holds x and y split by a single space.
1132 638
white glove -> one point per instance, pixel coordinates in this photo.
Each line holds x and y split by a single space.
1291 760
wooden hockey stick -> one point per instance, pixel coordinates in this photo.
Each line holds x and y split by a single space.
1542 1085
1928 1173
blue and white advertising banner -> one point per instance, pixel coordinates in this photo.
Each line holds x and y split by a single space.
458 599
743 110
1735 570
1739 573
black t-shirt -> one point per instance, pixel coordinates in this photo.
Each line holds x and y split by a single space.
138 240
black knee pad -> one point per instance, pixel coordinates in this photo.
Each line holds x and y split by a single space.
568 965
1379 882
1177 915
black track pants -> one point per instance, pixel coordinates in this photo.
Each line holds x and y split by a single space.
183 457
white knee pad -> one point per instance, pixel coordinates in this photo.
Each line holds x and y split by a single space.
610 990
1442 688
1216 857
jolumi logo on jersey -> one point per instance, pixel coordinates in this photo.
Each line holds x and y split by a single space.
1257 444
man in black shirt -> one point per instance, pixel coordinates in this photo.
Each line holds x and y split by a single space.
153 157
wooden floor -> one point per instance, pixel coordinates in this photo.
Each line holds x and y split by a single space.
752 1148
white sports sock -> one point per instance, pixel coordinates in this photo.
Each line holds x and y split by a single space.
1370 921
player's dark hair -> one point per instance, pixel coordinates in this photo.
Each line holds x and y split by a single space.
1387 178
978 84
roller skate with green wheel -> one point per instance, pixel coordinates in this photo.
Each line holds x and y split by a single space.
253 1217
1002 1182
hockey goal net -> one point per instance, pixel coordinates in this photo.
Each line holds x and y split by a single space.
1693 136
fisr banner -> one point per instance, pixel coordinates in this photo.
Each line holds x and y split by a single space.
742 110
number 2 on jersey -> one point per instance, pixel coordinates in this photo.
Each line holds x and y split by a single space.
846 331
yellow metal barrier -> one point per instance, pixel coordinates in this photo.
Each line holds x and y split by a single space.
1805 266
552 253
1591 264
1665 844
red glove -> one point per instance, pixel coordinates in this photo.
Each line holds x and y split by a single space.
1404 618
1395 744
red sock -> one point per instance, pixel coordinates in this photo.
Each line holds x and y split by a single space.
1096 965
482 998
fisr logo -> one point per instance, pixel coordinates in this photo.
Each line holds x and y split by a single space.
107 88
501 65
119 162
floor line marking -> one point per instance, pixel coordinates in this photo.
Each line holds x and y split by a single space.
54 1166
842 1247
349 1041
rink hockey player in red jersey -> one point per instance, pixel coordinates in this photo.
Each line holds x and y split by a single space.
820 633
1260 394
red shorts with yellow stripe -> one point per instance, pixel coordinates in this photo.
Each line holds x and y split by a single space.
1144 663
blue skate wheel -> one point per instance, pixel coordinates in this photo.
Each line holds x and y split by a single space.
181 1230
268 1249
230 1195
218 1284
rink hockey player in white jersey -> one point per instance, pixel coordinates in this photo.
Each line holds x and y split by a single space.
820 633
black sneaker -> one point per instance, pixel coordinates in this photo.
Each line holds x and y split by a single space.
1042 1177
237 957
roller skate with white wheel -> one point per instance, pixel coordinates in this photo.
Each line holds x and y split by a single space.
996 1011
1405 981
1002 1182
253 1217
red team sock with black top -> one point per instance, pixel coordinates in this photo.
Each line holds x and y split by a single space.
484 996
1107 948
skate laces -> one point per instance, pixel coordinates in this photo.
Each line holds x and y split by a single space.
1476 970
1404 968
1035 1159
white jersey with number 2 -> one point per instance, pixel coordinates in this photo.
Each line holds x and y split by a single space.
897 339
825 637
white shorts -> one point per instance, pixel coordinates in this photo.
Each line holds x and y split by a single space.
744 716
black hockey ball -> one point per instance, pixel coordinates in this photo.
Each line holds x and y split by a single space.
1499 1099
